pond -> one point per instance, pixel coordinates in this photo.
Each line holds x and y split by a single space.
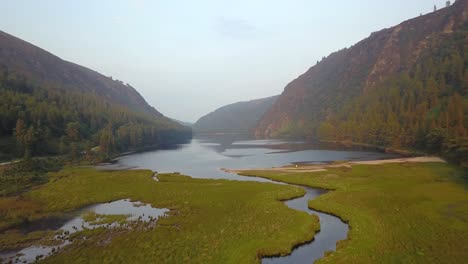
103 215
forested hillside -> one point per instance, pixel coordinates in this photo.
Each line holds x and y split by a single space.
42 67
404 86
49 106
240 117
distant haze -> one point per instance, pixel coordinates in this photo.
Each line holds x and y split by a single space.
188 58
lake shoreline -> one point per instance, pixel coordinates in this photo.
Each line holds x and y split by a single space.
323 167
345 198
327 177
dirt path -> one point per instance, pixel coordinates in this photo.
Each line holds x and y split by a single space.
9 162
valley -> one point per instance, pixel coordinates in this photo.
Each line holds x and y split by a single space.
363 158
215 200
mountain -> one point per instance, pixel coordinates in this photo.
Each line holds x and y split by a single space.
187 124
241 117
404 86
34 63
51 106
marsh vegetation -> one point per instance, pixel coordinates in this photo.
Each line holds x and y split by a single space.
401 212
210 221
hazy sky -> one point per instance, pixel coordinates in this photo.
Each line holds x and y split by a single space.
189 57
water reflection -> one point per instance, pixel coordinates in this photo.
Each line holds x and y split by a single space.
205 156
130 212
332 230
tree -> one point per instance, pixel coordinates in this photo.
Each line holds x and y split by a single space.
447 4
465 82
63 145
29 141
433 92
72 130
435 8
106 140
73 135
435 140
326 131
74 151
19 134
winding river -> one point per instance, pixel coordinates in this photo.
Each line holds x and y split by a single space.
204 157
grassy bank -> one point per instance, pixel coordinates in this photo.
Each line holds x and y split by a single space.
407 152
22 175
211 221
398 213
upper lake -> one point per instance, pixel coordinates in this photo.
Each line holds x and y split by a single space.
203 157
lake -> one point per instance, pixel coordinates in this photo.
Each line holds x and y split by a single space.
204 157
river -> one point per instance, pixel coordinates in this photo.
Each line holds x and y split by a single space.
204 157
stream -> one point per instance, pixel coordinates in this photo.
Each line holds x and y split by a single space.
204 157
72 222
332 230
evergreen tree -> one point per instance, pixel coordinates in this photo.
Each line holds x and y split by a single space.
106 142
19 133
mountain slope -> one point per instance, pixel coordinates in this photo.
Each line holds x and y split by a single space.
240 117
51 106
402 86
187 124
36 64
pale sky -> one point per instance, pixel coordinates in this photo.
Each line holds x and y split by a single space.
188 58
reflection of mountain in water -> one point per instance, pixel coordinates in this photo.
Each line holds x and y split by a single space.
204 156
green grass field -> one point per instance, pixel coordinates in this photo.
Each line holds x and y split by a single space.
398 213
211 221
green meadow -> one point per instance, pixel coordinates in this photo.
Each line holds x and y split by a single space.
210 221
398 213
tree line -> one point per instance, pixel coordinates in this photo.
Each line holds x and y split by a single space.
424 108
44 119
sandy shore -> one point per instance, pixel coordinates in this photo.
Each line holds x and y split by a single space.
323 167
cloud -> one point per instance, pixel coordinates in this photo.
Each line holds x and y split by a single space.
234 28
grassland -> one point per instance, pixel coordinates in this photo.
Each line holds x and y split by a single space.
211 221
398 213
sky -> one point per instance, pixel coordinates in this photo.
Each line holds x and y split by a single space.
188 58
